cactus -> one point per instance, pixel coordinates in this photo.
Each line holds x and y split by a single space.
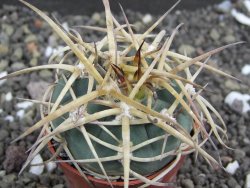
139 134
128 106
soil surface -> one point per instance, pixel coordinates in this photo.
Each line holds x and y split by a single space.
26 40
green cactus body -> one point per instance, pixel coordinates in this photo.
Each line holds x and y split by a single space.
138 134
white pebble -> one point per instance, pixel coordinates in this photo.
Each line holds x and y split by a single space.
232 167
240 17
37 170
8 96
1 110
245 70
58 49
147 19
4 17
246 140
225 6
9 118
65 25
24 105
234 95
2 74
2 173
48 51
247 183
20 113
247 4
50 166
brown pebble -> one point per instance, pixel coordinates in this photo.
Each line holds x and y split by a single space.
14 158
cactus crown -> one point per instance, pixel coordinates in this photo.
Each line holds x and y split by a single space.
125 102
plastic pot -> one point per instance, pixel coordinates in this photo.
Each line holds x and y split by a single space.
75 180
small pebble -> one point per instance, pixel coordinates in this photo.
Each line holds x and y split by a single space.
24 105
232 182
2 173
58 186
18 54
17 66
96 17
26 180
45 74
187 183
30 38
247 4
229 39
224 6
14 158
52 41
10 178
20 114
245 70
48 51
186 49
8 29
232 85
3 64
9 118
37 89
65 25
2 74
33 62
247 182
3 134
234 98
37 170
147 19
45 179
239 154
8 96
50 166
214 34
240 17
232 167
4 50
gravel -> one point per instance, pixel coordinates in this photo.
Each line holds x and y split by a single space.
24 38
15 156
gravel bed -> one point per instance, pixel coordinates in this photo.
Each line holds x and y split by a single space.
26 40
